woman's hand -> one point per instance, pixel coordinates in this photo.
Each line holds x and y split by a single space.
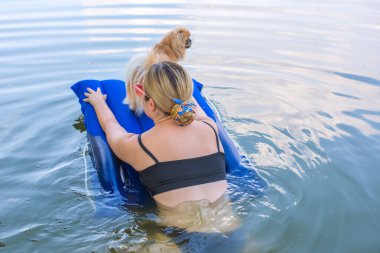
94 97
120 141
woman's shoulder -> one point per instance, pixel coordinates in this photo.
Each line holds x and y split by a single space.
210 122
198 128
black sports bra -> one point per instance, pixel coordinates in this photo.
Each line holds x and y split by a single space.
170 175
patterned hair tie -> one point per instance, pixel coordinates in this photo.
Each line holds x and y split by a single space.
183 112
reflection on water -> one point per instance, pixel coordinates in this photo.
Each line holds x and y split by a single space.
296 83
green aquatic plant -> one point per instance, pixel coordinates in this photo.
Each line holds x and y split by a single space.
79 124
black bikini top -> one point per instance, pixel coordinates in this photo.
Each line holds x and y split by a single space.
170 175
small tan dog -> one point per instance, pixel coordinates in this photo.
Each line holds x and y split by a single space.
171 48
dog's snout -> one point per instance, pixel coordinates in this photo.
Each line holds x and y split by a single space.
188 43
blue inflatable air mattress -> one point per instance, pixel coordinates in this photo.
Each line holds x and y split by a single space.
120 179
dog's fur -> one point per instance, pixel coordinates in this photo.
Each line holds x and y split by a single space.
171 48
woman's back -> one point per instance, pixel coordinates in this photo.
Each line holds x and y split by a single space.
181 163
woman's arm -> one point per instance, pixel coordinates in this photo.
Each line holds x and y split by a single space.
118 138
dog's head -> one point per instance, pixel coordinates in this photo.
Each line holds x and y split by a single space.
186 35
179 40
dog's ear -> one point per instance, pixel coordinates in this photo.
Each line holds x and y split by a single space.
130 98
135 74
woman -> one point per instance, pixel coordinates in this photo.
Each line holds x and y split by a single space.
180 160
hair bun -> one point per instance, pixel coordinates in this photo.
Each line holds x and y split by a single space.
183 112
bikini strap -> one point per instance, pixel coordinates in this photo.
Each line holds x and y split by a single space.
216 134
146 150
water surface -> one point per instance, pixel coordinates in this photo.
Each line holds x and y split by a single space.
297 84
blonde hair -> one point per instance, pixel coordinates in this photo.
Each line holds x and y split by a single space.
165 81
135 72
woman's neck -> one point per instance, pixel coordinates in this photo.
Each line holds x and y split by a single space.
161 119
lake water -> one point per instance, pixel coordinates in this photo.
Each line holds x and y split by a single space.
297 83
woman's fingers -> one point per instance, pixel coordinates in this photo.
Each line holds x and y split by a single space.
91 94
90 90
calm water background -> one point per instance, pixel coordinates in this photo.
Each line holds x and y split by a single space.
297 82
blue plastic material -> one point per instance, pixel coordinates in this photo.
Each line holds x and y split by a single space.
118 177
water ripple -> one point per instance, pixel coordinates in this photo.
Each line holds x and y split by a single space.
296 84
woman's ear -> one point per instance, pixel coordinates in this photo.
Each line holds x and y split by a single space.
138 89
